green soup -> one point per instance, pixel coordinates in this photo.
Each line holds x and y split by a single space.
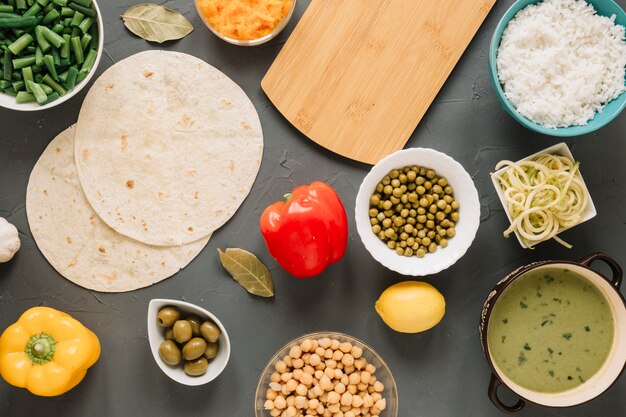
550 330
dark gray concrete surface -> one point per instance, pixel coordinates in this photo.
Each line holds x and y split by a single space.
440 373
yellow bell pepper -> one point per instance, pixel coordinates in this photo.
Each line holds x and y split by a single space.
47 352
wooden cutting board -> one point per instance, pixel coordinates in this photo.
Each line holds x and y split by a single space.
357 76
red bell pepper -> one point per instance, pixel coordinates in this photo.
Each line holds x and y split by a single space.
307 231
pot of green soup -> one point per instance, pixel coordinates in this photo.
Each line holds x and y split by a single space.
554 332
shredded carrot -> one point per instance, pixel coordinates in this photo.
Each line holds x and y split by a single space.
244 19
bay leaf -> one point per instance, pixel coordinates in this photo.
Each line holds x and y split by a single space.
248 271
156 23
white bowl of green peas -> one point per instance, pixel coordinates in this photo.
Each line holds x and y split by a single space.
49 50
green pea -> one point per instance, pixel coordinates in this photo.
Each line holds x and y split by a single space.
394 174
395 183
373 212
454 216
386 180
376 228
375 199
388 189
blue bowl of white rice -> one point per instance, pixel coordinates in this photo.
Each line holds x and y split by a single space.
557 66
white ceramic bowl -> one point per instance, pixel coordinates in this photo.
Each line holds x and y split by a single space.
464 192
558 149
156 337
8 101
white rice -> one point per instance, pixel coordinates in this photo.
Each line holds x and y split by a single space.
560 63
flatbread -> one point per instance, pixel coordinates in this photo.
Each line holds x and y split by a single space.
79 245
167 147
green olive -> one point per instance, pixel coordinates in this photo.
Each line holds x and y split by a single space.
194 348
196 367
169 353
210 331
182 331
195 322
167 316
169 334
211 350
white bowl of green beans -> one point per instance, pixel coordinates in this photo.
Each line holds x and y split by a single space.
49 50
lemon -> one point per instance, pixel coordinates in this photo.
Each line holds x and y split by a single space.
411 306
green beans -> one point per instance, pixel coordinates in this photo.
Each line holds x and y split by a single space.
413 211
84 10
20 43
47 47
52 37
17 22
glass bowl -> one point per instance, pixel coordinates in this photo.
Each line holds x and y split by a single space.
383 373
249 42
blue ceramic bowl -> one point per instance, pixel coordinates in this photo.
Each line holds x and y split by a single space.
612 109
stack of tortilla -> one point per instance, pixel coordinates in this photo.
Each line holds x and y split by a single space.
165 150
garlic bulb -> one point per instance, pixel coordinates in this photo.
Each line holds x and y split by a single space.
9 240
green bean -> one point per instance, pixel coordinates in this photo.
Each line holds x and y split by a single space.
38 56
30 49
64 62
14 22
77 19
38 78
16 76
52 37
7 66
75 32
6 8
86 24
38 92
67 12
84 10
41 40
61 3
50 65
72 73
64 52
52 97
80 77
58 28
50 17
4 84
8 14
77 48
20 43
89 61
85 3
54 85
45 87
37 68
56 57
24 97
85 41
33 11
27 75
44 3
21 4
63 76
26 61
17 85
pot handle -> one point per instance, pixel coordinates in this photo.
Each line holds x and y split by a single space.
616 281
493 396
494 384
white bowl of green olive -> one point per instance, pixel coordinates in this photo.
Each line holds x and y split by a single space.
417 211
189 344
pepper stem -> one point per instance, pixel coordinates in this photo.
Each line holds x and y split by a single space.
40 348
287 197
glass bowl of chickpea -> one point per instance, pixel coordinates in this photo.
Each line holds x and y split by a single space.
326 374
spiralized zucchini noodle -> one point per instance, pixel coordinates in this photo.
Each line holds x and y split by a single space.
544 196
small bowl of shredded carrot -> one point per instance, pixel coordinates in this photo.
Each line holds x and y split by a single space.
246 22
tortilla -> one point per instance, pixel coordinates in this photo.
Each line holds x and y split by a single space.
167 147
79 245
